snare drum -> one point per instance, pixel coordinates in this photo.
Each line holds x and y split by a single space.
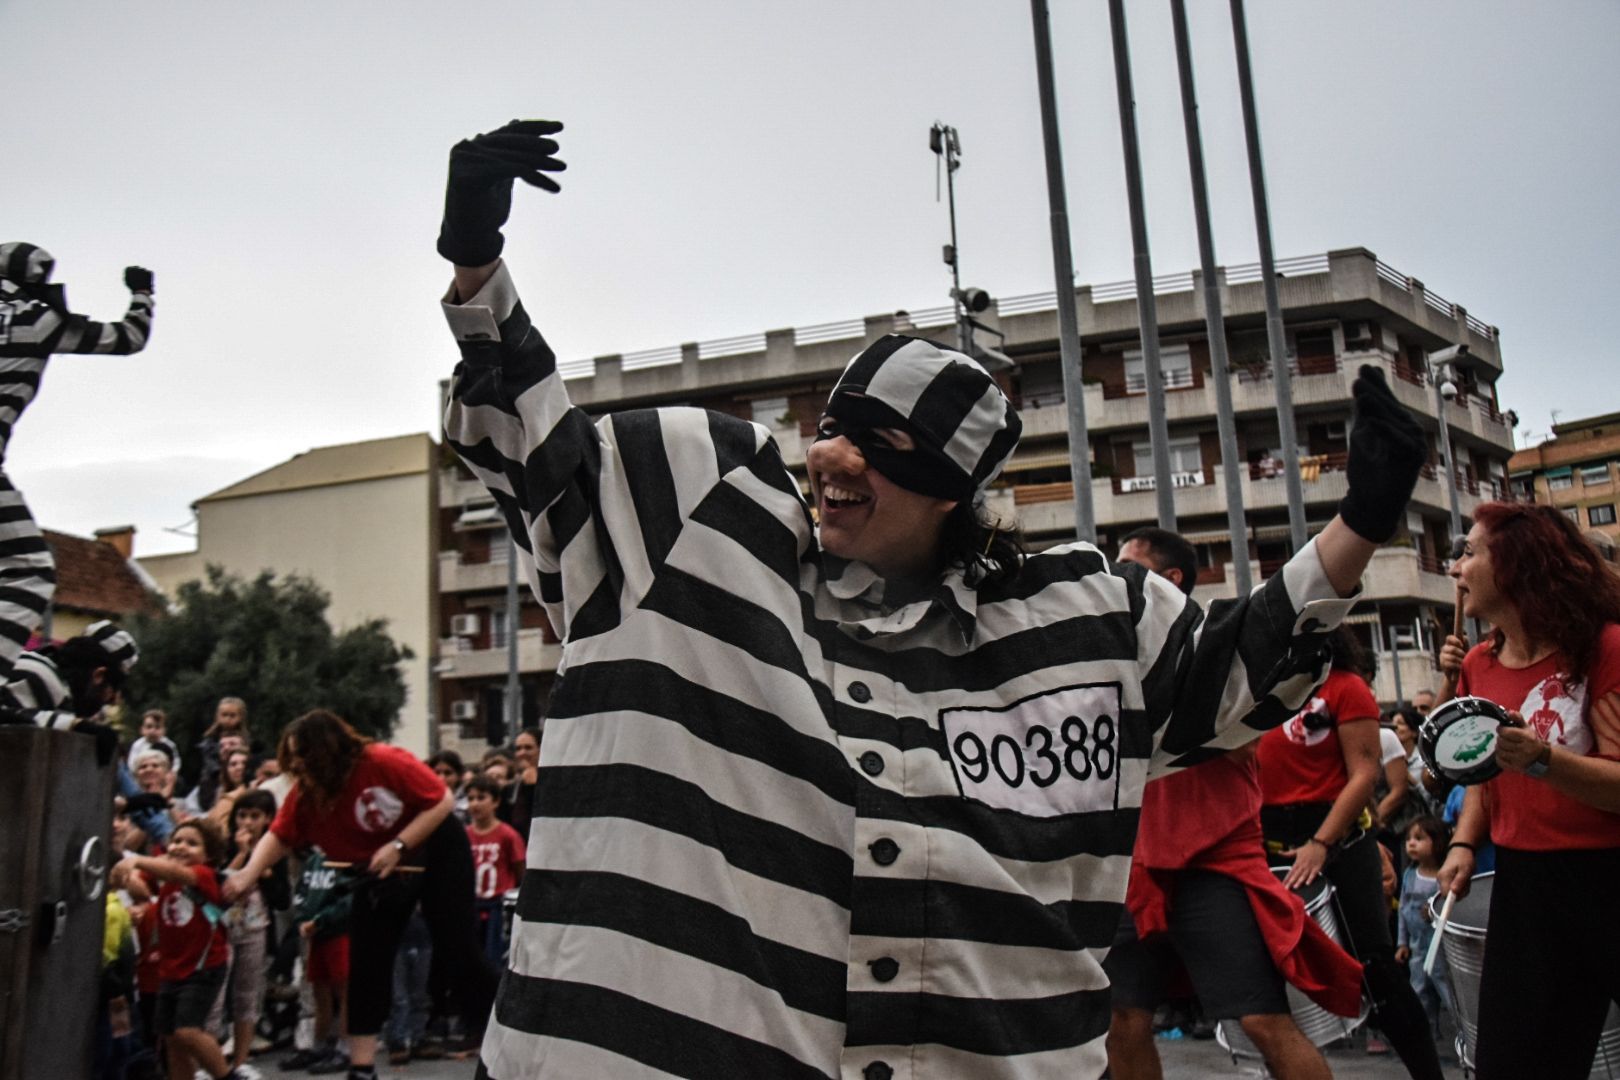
1458 739
1463 940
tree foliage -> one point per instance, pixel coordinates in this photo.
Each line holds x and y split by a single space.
267 642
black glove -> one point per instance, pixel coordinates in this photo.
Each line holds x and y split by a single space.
1387 448
146 800
478 196
106 740
137 279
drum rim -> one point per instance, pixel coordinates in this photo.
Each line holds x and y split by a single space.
1428 736
1462 929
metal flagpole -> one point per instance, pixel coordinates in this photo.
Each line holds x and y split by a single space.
1268 276
1085 524
514 688
1214 317
1146 308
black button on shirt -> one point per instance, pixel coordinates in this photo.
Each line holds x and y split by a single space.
884 851
872 763
884 968
878 1070
860 692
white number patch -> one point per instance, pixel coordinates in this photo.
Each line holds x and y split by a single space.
1045 756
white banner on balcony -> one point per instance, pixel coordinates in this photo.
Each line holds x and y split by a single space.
1148 483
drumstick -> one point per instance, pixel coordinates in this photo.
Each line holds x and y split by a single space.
1448 688
1439 932
397 869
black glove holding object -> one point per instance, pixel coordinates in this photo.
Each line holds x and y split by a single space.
478 195
1387 448
146 800
106 740
137 279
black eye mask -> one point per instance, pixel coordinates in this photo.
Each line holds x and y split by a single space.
924 470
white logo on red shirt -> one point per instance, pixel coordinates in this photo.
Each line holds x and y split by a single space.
1555 709
177 909
1310 733
377 808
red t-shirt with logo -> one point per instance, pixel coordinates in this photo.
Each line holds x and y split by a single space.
1529 814
185 935
385 791
497 859
1302 761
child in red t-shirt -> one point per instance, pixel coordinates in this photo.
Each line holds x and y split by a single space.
498 860
193 946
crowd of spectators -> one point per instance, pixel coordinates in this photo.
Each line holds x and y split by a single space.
196 985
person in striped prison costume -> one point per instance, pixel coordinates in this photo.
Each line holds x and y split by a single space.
65 686
35 323
847 799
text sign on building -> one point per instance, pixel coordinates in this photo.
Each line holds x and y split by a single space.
1147 483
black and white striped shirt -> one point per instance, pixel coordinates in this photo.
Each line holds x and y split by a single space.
34 693
783 830
31 330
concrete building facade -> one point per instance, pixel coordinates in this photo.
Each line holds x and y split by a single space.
1578 471
358 519
1341 309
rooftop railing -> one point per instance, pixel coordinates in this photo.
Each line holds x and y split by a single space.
1024 304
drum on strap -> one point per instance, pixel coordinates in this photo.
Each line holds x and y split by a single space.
1458 739
1463 941
1318 1025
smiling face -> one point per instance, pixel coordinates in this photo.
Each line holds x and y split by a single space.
152 771
1476 576
868 518
526 748
186 846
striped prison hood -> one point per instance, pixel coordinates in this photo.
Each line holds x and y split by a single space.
946 401
780 831
115 641
26 263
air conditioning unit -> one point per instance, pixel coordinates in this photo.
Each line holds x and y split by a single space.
464 710
463 625
1358 333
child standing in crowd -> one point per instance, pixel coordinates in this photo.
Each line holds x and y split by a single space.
1425 850
498 857
321 909
154 735
194 949
247 924
447 766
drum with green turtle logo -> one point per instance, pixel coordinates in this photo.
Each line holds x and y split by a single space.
1458 739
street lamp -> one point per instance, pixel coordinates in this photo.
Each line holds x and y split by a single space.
1442 369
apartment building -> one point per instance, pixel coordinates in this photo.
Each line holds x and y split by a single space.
1576 471
1341 309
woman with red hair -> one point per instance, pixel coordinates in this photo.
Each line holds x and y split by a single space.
1552 659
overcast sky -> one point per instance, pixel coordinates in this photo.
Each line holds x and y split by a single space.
734 167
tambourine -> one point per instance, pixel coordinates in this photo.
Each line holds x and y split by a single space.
1458 739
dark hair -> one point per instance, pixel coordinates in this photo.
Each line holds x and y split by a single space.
213 840
1348 652
990 552
254 799
1436 830
447 757
532 732
329 747
1561 588
1409 714
1172 551
162 717
77 659
486 785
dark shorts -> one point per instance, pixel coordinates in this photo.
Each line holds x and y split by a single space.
185 1004
1215 937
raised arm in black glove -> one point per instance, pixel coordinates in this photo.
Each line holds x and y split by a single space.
137 279
478 196
1387 448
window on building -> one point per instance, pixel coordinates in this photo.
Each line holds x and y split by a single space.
1184 457
1573 513
1317 342
497 628
769 411
1600 515
1562 482
1594 474
1175 366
